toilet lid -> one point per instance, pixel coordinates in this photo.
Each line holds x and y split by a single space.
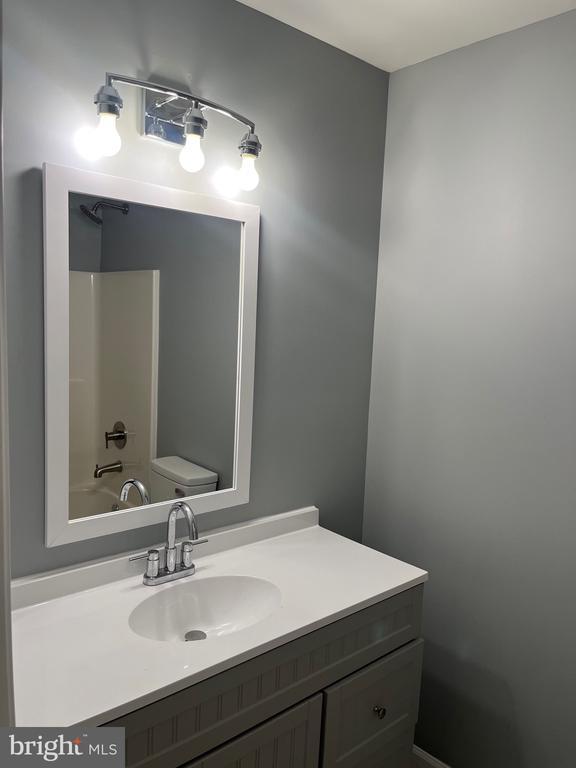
183 472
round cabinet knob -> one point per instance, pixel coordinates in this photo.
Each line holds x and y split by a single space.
380 712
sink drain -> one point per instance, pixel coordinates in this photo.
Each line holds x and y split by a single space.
195 634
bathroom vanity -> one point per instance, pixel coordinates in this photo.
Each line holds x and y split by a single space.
310 656
344 695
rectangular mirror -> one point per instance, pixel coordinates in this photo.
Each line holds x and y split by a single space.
150 307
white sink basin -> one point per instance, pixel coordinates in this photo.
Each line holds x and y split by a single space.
205 608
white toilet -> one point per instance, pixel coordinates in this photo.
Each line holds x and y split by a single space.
172 477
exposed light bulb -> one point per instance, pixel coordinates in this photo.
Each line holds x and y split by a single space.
227 181
248 175
106 135
85 143
102 141
191 156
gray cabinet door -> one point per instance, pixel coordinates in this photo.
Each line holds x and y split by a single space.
289 740
370 716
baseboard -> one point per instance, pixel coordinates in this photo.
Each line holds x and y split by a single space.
423 759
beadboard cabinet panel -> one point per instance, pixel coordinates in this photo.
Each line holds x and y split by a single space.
289 740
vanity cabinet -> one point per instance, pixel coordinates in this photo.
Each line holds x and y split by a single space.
341 696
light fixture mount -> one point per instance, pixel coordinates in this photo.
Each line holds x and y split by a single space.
169 115
169 108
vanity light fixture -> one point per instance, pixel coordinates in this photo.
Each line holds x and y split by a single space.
175 117
104 140
191 155
109 103
249 150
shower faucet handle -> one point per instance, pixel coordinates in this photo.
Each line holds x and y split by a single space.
118 435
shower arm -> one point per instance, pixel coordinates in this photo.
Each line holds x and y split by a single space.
174 93
108 204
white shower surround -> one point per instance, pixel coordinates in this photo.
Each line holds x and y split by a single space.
107 360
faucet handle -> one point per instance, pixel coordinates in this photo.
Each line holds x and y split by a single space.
141 556
117 435
152 561
186 554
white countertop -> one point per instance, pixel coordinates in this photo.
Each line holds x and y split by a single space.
76 660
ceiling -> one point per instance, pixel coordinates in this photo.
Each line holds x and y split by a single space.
396 33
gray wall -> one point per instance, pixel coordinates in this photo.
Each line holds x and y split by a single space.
472 443
320 194
199 262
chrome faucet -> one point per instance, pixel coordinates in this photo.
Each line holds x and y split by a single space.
140 487
172 569
180 506
116 466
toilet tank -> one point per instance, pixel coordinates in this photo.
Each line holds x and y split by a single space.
173 477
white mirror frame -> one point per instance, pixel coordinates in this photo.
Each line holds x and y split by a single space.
59 182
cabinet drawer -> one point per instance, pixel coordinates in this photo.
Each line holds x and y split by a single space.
199 718
371 714
290 740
